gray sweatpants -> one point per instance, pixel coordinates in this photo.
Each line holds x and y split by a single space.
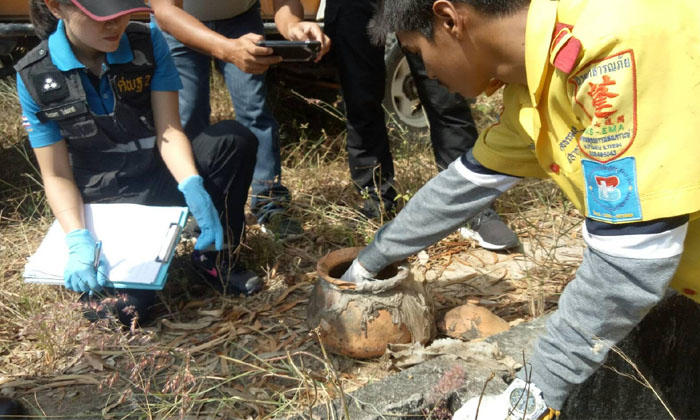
608 297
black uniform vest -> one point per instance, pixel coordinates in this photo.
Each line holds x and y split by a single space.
112 155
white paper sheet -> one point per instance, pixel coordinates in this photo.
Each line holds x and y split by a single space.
132 235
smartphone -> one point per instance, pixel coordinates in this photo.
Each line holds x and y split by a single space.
294 50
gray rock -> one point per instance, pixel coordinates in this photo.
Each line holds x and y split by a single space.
438 386
665 347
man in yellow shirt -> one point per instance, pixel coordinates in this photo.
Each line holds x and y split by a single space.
591 103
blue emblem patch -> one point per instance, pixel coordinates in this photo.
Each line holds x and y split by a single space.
611 190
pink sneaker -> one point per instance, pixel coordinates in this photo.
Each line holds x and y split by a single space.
223 276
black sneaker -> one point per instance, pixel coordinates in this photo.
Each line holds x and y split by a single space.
127 305
489 231
375 210
274 220
223 276
11 409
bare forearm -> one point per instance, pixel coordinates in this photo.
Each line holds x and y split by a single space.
61 192
177 154
65 202
287 12
289 18
173 144
188 29
242 51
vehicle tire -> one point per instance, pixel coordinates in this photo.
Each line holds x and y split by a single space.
6 63
401 100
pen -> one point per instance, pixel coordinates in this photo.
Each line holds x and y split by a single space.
96 259
98 254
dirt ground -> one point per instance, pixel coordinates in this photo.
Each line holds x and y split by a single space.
224 340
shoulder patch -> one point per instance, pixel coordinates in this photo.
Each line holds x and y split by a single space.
51 86
606 102
565 48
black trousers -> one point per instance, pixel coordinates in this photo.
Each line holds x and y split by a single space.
224 155
362 78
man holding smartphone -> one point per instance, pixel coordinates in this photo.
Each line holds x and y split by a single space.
229 31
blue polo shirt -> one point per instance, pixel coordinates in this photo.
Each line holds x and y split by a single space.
165 78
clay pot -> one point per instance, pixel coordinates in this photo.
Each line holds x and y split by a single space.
360 320
469 322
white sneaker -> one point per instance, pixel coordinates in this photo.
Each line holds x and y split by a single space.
489 231
510 405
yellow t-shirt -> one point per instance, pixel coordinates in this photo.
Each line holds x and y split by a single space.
609 112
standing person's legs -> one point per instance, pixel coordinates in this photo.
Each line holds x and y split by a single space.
249 96
362 73
452 128
194 69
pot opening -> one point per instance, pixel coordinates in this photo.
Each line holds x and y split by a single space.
337 271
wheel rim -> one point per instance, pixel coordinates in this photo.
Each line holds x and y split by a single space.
404 97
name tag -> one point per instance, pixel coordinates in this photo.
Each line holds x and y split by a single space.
133 84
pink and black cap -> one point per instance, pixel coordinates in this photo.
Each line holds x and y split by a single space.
102 10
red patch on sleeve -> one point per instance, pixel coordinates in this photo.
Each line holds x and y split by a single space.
567 54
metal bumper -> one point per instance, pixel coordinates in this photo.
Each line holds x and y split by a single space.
15 30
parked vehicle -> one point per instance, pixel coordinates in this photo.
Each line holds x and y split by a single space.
400 97
16 34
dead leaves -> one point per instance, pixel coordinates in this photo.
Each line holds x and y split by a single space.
189 326
251 354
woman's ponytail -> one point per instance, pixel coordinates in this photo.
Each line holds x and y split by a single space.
43 20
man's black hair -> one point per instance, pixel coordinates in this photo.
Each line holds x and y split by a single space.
417 15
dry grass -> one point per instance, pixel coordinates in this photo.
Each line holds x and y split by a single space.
210 356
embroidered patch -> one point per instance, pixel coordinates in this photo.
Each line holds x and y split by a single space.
564 49
50 86
611 190
135 84
606 94
62 112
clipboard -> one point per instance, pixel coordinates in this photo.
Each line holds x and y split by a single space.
164 256
138 243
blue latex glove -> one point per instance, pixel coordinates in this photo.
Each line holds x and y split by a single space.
79 274
203 210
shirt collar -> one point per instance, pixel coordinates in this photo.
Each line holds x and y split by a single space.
540 24
62 53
